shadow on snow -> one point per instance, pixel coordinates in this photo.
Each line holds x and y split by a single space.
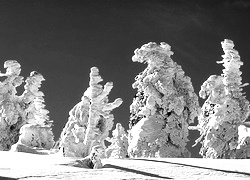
194 166
134 171
7 178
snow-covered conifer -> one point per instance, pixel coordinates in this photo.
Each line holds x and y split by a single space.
11 116
73 134
33 101
90 120
163 107
37 131
119 143
225 108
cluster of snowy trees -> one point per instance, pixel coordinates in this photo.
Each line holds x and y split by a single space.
24 121
160 115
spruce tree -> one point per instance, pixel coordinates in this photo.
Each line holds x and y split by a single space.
119 143
11 114
164 106
225 109
90 120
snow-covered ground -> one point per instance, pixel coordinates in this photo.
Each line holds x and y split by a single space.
16 165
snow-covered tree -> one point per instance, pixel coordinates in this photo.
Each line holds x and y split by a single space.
37 132
34 136
163 107
33 101
225 108
11 115
119 143
73 134
90 120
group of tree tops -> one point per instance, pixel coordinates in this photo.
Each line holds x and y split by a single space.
160 115
23 119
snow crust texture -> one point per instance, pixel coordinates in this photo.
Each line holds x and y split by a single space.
225 110
24 114
90 120
163 107
48 167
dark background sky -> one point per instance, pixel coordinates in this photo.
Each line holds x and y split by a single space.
63 39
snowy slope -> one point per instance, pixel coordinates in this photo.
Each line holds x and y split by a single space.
16 165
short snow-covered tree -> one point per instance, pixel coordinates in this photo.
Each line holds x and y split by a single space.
90 120
163 107
119 143
225 108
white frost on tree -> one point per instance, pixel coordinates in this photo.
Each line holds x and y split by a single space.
163 107
225 108
11 116
34 136
33 100
90 120
119 143
20 112
93 160
243 148
73 134
37 133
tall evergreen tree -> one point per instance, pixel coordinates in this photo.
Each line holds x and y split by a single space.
90 120
37 132
163 107
11 114
225 108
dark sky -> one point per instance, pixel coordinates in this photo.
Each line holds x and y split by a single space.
63 39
